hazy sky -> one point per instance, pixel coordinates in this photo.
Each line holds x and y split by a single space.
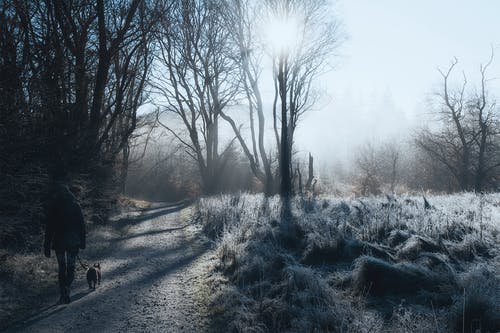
388 66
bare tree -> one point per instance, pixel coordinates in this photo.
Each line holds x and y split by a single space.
242 17
72 76
297 68
301 168
79 67
390 164
485 114
195 80
423 171
310 177
378 168
368 170
467 141
294 72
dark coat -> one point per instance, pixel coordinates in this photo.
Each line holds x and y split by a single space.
65 227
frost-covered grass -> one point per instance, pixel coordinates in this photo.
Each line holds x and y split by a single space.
356 265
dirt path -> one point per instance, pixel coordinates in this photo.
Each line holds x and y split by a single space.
153 280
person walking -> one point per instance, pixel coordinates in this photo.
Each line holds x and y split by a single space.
64 233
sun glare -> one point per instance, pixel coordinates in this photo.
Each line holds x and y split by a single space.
282 34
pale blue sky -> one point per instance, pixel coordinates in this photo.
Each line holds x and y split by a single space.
391 56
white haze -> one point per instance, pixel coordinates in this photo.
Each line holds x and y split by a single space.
387 69
385 73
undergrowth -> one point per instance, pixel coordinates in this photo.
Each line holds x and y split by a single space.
355 265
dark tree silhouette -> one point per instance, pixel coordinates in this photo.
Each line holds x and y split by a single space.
468 140
72 76
79 69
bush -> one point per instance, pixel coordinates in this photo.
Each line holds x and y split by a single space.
478 307
380 278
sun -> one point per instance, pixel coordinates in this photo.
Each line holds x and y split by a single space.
282 34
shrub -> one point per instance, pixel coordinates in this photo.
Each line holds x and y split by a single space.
380 278
478 307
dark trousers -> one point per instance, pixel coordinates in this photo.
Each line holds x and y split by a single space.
66 259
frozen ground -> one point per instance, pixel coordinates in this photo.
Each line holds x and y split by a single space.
372 264
378 264
154 263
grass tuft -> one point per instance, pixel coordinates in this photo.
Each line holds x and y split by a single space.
354 265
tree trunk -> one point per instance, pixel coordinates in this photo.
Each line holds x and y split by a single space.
124 168
285 186
311 173
299 174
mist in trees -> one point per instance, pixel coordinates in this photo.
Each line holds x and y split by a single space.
457 150
215 64
467 140
203 97
186 104
211 61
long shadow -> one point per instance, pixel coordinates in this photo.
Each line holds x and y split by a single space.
80 295
122 250
44 313
148 233
176 257
142 282
159 272
137 261
126 221
136 254
167 205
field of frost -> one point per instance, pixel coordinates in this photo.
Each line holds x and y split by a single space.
376 264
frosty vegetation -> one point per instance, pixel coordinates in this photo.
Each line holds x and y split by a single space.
356 265
175 100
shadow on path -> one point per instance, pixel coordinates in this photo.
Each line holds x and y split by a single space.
147 233
131 220
162 205
44 313
142 264
80 295
152 272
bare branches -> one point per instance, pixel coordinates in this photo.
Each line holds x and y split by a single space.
196 80
468 144
317 37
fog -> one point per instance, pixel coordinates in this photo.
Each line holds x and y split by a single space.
250 165
379 87
385 73
387 69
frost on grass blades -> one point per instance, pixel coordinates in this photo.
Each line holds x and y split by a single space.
358 265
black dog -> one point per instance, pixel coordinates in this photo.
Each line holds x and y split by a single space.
94 276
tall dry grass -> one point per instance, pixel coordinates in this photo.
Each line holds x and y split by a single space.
355 264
